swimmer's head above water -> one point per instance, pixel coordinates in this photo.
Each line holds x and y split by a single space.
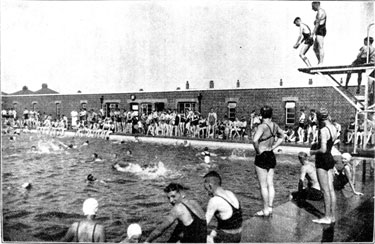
90 206
134 233
91 178
346 158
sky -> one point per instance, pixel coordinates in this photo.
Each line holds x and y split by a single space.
122 46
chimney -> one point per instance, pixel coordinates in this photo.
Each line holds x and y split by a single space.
44 85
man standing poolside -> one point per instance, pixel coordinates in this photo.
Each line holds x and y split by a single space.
319 31
191 227
227 209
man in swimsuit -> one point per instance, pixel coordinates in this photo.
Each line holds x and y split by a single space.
212 121
312 191
319 31
324 163
191 227
227 209
304 38
86 230
301 126
362 59
265 160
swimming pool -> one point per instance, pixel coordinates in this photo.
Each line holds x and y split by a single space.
59 187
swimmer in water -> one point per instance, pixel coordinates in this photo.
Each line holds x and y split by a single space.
134 233
95 158
92 179
207 155
27 185
86 143
86 230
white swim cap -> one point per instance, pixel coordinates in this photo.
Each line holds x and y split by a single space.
134 230
346 156
90 206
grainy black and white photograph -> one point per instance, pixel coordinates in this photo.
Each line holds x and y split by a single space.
187 121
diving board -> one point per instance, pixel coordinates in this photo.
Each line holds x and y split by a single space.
327 72
334 70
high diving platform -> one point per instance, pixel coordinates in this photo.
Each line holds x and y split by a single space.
334 70
362 106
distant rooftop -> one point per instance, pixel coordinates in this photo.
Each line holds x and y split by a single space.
45 90
25 91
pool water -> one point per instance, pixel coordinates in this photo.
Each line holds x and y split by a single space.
59 184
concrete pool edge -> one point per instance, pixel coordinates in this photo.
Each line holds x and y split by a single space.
283 149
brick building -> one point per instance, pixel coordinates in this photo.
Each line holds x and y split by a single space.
239 102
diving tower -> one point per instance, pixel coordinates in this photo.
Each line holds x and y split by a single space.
362 107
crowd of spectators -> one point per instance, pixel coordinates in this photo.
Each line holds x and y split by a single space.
190 123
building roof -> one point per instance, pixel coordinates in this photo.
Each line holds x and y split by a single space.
45 90
24 91
3 93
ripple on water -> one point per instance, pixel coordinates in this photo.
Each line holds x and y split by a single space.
16 214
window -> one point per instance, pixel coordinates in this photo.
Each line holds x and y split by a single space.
182 107
232 110
134 107
34 106
159 106
84 105
15 106
290 113
146 108
58 110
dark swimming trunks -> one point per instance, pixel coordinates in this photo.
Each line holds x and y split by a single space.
234 222
307 38
266 160
196 232
322 30
325 160
308 194
224 237
340 180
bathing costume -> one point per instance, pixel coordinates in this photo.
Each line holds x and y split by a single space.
308 193
302 123
177 120
266 160
196 232
211 119
92 236
233 223
322 30
325 160
340 179
307 38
